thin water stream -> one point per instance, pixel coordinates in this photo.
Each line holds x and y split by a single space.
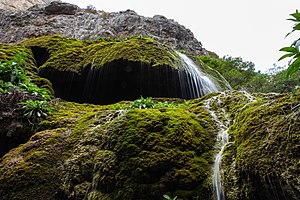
221 118
222 141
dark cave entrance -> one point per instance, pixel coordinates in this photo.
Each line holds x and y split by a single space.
41 55
116 81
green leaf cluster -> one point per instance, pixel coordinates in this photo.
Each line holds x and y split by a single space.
145 103
142 103
35 109
293 50
169 198
12 75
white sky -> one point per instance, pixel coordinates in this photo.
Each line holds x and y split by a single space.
252 29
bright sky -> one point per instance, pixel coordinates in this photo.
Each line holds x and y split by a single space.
252 29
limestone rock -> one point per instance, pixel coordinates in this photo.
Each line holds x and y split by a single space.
20 4
70 21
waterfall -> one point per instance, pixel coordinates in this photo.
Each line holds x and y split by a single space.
193 82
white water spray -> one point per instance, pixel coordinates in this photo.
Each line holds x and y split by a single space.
194 82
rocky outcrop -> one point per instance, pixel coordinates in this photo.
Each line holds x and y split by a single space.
100 152
20 4
70 21
133 67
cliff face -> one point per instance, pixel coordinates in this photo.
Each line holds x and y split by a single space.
71 21
20 4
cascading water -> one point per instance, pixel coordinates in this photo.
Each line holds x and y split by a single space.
222 140
193 82
221 117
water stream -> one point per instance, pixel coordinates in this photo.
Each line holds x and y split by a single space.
222 120
193 81
222 141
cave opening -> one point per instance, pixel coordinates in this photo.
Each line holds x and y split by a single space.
41 55
117 81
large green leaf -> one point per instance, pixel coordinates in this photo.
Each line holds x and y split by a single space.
286 56
296 27
289 49
296 15
294 67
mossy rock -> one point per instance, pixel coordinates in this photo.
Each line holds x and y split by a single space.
263 161
73 54
95 152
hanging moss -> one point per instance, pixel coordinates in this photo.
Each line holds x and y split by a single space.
73 54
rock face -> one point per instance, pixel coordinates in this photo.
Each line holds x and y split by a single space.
20 4
70 21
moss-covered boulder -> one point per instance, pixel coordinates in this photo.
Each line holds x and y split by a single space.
263 161
98 153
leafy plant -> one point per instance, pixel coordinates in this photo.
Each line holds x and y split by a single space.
169 198
143 103
35 90
35 109
293 50
12 74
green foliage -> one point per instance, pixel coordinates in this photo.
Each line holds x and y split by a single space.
35 109
35 90
241 75
11 72
236 71
292 51
145 103
12 75
169 198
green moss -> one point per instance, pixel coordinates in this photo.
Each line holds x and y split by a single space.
74 55
7 52
31 171
136 154
264 156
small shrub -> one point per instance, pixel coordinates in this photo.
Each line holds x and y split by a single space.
143 103
12 75
33 110
11 72
169 198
